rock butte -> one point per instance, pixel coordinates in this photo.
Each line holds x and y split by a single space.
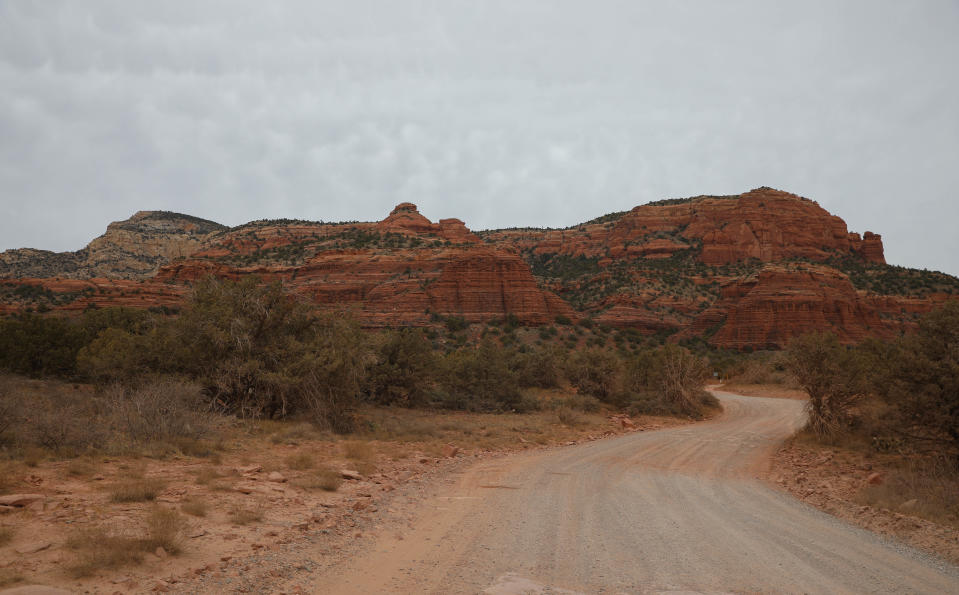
758 269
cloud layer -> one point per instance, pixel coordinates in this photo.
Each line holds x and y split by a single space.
507 113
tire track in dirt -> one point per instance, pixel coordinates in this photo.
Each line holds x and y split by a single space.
676 509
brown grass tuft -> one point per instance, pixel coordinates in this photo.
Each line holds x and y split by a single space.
566 416
137 490
362 456
357 450
195 507
207 475
32 457
165 527
244 515
81 468
97 549
9 577
8 477
293 434
300 461
323 479
927 489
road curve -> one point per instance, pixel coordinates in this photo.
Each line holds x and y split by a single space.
676 510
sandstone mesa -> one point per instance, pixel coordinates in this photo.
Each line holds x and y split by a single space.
741 271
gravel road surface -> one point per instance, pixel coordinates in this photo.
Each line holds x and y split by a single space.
676 510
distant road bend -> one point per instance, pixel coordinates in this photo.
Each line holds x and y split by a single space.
649 512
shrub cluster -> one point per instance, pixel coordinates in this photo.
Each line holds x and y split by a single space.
63 419
254 350
904 393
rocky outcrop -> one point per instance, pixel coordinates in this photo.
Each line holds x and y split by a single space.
405 218
441 269
485 284
780 302
750 270
763 224
130 249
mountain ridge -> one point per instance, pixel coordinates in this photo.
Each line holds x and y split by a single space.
742 271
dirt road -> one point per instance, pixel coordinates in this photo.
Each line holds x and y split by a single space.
673 510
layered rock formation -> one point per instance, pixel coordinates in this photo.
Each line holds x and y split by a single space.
744 271
762 224
403 270
130 249
779 302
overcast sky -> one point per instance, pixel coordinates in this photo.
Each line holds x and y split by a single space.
513 113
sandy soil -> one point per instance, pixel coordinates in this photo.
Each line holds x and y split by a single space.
772 391
831 479
679 509
301 532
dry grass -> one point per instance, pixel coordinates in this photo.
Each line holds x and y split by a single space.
205 476
136 490
327 480
6 535
98 549
9 477
300 461
9 577
362 455
357 450
32 456
133 469
426 431
566 416
244 515
165 527
774 391
292 434
195 507
928 489
81 468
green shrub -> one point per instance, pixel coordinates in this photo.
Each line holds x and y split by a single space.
541 367
404 369
920 380
480 380
595 372
254 349
456 323
831 375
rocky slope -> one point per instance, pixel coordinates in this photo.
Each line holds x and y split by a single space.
743 271
131 249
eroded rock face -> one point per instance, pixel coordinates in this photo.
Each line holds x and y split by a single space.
768 309
763 224
405 218
710 266
130 249
400 271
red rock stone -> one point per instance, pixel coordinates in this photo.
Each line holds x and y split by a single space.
405 269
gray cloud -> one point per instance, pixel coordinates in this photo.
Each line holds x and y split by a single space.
500 113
